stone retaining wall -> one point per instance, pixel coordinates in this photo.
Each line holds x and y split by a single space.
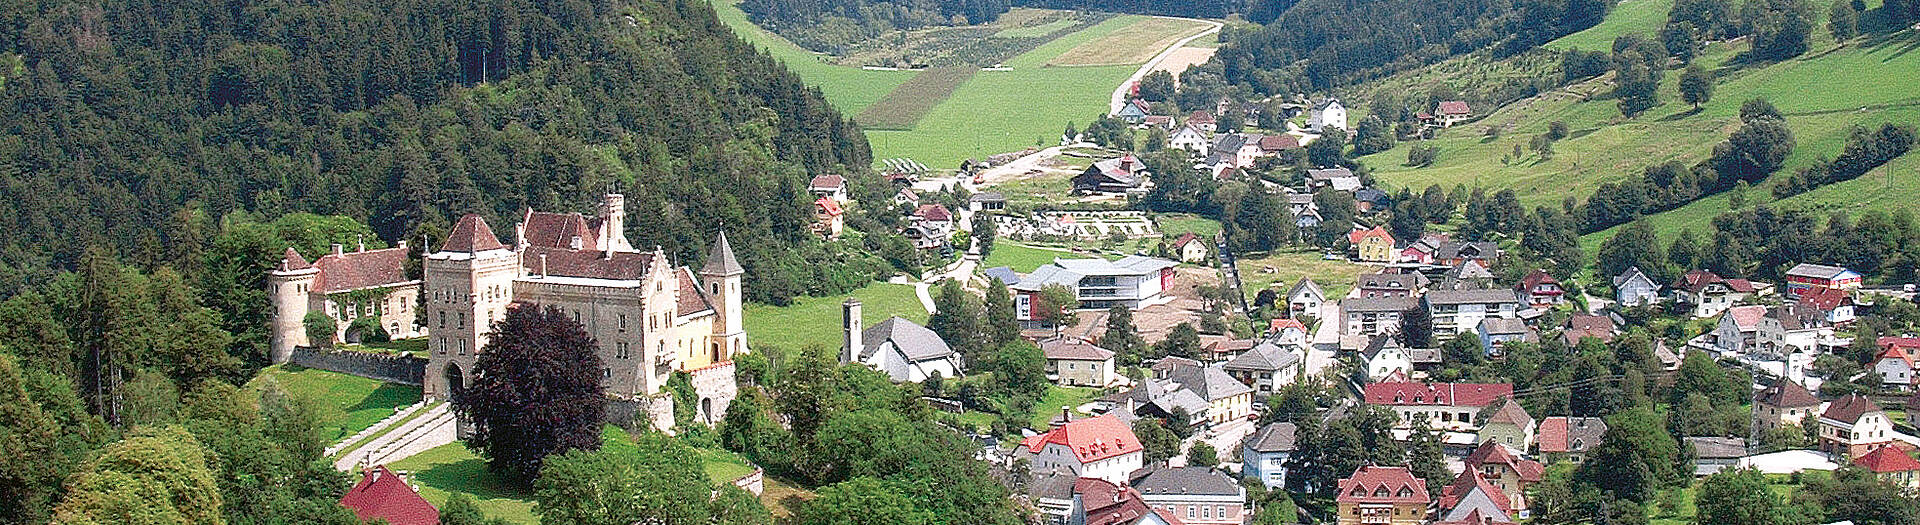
403 369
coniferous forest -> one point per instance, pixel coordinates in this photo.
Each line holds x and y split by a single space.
142 124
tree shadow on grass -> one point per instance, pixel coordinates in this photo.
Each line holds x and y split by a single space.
388 395
1681 114
470 476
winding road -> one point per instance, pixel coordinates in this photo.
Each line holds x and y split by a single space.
1120 93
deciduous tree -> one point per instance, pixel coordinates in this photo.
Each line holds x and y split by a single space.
535 393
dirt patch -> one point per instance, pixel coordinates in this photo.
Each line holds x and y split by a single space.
1178 61
1133 44
1154 322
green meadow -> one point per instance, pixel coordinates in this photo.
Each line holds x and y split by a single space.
816 320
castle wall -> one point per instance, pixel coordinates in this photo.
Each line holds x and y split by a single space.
613 315
637 413
403 369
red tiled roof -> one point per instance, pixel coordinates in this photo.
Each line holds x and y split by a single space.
1109 504
1496 453
1825 299
1552 435
1465 483
557 230
293 261
356 270
471 234
1376 484
934 212
1277 325
1511 413
1184 238
1199 116
1696 280
1887 459
1747 317
1279 142
1445 394
827 182
1454 107
584 263
381 494
1354 237
1090 439
1740 285
1898 342
690 300
829 206
1074 349
1474 518
1849 409
1786 394
1894 353
1534 279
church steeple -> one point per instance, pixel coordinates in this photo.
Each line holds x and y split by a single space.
720 260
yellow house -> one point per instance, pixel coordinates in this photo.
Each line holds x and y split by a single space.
1377 495
1375 245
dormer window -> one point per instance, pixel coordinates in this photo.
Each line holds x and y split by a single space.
1380 492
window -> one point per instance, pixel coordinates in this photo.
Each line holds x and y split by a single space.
623 322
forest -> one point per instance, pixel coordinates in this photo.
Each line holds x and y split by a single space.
829 25
142 125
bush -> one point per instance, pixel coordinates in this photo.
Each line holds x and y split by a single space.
369 330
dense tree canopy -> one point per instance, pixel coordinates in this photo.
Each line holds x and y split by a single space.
535 392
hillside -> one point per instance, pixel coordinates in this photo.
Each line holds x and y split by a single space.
139 125
1823 94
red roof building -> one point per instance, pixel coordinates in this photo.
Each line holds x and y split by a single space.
1892 465
1454 107
1498 505
1104 503
933 212
1540 288
1506 469
1382 495
381 494
1097 447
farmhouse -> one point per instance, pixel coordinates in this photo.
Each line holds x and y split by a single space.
1328 114
1190 248
1115 175
829 186
1072 361
1634 288
1375 245
1710 294
1782 404
1892 466
1190 139
905 351
1804 277
1853 426
1451 112
1341 179
1132 282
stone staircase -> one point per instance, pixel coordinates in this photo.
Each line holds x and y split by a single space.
435 427
380 427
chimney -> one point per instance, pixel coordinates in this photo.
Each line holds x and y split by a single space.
543 265
850 324
338 249
402 244
360 243
1065 417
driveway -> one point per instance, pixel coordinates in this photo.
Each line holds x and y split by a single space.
1120 93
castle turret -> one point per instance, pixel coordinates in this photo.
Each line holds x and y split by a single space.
722 275
289 286
850 327
613 223
469 284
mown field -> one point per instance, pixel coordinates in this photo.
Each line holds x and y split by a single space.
1824 93
816 320
850 89
1020 257
908 102
1335 277
1134 44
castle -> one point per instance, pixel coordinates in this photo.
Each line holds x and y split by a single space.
346 286
649 317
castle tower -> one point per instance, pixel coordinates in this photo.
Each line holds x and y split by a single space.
722 278
850 325
469 283
613 223
288 287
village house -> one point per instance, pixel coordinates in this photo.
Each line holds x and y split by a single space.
1445 406
1509 425
1340 179
1451 112
1453 253
1051 493
1782 404
1472 500
1377 495
348 286
1585 325
1896 369
1709 294
1424 249
1834 304
935 215
1373 315
1328 114
1503 467
1892 466
1375 245
1854 425
1563 438
906 197
1635 288
926 236
1219 348
1111 176
1805 277
1190 248
1467 276
1100 447
901 349
1202 120
382 495
1263 456
1738 330
1279 145
1384 358
1194 495
1227 399
1411 284
1540 289
1101 502
829 186
1496 332
829 219
648 317
1789 329
986 201
1266 367
1234 150
1369 200
1133 281
1072 361
1190 139
1712 454
1288 333
1457 312
1164 122
1133 111
1305 298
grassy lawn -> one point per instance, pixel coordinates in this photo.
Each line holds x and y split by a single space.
816 320
1134 44
452 468
348 403
1173 224
1056 397
850 89
1781 485
1335 278
1631 16
1021 258
724 466
908 102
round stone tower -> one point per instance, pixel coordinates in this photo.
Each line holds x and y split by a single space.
289 287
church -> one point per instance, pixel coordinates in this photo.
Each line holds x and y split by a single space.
649 317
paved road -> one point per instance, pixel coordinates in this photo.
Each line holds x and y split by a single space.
1120 93
962 271
1326 339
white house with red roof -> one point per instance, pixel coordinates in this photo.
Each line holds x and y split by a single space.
1446 406
1568 438
1472 500
1190 248
1505 468
1709 294
1896 369
1540 289
346 286
829 186
1102 502
1854 425
1835 304
1451 112
1893 466
1377 495
828 218
1100 447
383 495
1739 329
